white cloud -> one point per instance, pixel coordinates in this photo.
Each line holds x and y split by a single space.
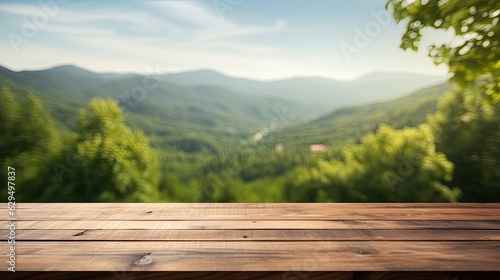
68 16
20 9
187 11
209 25
61 29
183 35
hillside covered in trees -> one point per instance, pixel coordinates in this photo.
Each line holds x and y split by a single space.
76 135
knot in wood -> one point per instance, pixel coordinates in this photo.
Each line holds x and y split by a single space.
144 260
362 252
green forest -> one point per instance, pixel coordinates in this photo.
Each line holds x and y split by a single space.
78 136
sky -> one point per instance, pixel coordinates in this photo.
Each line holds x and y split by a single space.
256 39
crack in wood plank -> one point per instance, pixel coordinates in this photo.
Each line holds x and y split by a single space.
81 233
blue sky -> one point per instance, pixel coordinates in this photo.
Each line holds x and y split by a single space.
258 39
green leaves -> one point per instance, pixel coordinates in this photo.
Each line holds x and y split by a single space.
467 122
474 54
467 131
114 163
389 165
9 118
28 141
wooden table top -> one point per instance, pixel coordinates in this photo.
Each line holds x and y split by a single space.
254 237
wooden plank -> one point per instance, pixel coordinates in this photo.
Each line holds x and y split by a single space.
257 256
427 275
255 235
152 206
274 275
73 212
83 225
152 275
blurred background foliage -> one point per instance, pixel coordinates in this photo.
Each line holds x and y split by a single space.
413 149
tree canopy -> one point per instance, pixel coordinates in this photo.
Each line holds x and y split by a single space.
467 123
28 139
110 161
389 165
474 57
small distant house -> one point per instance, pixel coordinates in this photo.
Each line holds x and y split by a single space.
317 148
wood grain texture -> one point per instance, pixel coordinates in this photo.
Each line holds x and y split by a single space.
256 237
257 256
134 275
199 211
116 205
426 275
277 275
253 224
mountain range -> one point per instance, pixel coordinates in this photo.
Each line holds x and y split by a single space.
325 94
186 104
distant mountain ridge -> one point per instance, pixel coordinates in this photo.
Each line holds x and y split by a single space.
353 122
210 98
155 106
326 94
329 94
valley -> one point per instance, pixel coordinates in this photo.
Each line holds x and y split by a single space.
218 143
